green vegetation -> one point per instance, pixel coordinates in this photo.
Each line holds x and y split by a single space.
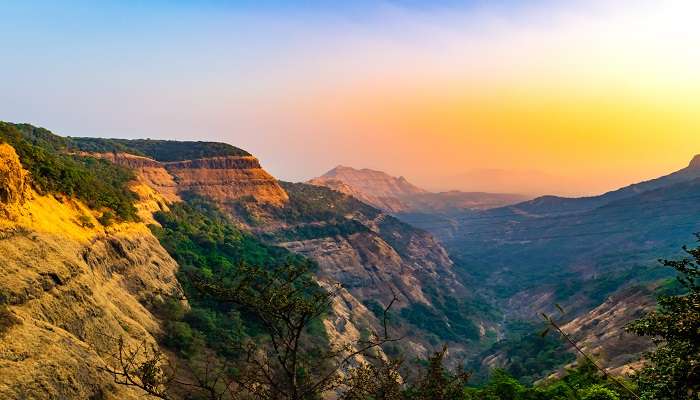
161 150
100 184
581 383
205 244
673 369
528 355
452 324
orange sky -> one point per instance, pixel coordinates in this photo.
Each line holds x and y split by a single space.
588 102
540 96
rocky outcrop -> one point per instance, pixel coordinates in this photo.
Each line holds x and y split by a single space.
366 265
148 171
222 179
225 179
69 289
14 187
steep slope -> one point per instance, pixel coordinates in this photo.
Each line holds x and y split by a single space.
222 178
601 332
372 254
397 195
583 257
69 287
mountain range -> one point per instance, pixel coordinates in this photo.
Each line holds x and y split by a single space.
397 195
576 252
98 235
102 240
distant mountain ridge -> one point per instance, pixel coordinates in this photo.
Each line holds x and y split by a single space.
548 205
397 195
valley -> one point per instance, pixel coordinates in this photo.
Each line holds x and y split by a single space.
188 248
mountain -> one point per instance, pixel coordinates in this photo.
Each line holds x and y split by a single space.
397 195
576 252
548 205
570 242
99 235
69 283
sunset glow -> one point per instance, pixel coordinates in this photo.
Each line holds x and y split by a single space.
570 97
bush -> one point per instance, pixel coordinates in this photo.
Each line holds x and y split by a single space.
99 183
598 392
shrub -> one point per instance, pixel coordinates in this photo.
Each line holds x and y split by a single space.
598 392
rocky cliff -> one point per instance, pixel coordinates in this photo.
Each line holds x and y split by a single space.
69 288
222 179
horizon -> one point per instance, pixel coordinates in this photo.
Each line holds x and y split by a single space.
531 97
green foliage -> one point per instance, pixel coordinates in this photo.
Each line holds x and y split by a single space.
598 392
161 150
582 382
99 183
437 382
309 204
673 369
459 327
529 355
207 245
85 221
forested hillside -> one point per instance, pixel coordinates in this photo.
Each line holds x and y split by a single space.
317 295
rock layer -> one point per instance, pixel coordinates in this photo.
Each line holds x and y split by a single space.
225 179
222 179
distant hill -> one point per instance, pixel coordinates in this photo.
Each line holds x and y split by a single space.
397 195
548 205
560 248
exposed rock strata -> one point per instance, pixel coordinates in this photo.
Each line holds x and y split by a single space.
223 179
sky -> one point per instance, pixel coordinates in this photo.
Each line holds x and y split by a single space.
557 97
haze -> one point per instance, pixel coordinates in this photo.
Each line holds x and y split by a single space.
532 97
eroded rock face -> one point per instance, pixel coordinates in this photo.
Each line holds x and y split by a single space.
68 292
71 302
225 179
222 179
14 185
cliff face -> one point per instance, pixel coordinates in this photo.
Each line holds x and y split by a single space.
373 255
370 268
222 179
69 288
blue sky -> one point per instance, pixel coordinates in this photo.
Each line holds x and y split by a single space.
308 85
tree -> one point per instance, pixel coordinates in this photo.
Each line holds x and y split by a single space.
672 370
287 364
